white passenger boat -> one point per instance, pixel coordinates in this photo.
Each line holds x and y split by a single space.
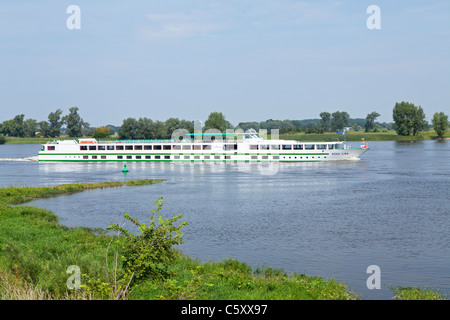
247 147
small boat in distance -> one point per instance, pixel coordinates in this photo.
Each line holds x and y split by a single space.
244 147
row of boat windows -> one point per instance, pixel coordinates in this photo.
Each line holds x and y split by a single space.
205 157
205 147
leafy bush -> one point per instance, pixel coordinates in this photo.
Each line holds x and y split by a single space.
144 256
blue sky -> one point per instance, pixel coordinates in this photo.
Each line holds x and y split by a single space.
253 60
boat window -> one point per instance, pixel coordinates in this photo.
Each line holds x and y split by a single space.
287 147
321 146
187 157
167 157
167 147
137 147
253 147
128 147
147 147
101 148
138 157
119 157
186 147
254 157
83 148
176 157
94 157
147 157
177 147
230 147
110 147
85 157
298 147
331 146
264 147
157 147
157 157
228 157
197 157
207 157
217 157
264 157
206 147
276 157
92 147
119 147
196 147
103 157
309 146
275 147
129 157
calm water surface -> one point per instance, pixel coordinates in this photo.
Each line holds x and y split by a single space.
390 209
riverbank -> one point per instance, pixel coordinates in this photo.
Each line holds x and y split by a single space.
36 252
301 136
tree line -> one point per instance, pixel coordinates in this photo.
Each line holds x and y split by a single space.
408 119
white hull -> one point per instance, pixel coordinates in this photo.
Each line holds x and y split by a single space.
252 150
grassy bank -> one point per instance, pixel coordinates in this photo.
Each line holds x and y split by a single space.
18 195
36 252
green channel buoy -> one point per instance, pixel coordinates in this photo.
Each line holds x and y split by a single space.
125 168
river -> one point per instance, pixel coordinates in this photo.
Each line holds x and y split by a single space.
333 219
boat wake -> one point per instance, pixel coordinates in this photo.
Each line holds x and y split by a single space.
20 159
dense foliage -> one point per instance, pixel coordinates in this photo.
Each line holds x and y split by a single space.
440 123
408 119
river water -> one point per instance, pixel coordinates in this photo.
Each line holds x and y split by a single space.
391 209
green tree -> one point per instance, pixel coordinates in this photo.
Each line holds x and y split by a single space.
408 119
216 120
30 127
419 122
159 130
325 121
145 129
101 133
74 123
370 121
173 124
52 127
16 127
129 129
440 123
339 120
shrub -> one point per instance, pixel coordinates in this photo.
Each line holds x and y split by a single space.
144 256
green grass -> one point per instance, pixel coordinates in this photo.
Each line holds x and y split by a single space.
35 252
231 279
36 140
412 293
19 195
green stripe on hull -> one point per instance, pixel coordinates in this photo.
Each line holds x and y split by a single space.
169 160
